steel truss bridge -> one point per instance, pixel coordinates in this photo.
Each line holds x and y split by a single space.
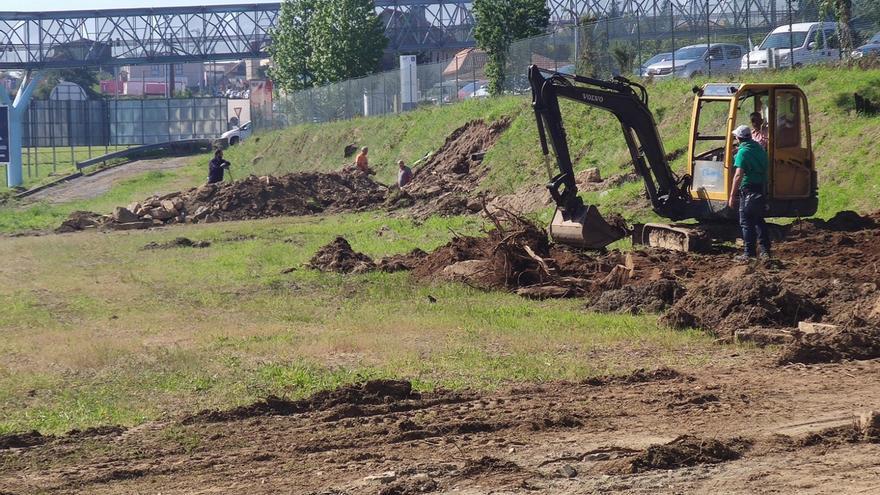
31 40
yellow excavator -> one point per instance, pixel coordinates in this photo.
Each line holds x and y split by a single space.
699 194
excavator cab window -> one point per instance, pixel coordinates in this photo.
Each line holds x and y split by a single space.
710 141
791 158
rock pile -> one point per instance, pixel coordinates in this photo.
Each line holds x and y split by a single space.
250 198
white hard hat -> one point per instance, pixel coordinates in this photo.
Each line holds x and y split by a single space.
742 132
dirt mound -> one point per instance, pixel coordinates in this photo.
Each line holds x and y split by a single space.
842 221
253 197
654 297
835 345
80 220
20 440
338 256
685 451
637 376
179 242
371 392
510 256
727 304
445 183
401 262
487 464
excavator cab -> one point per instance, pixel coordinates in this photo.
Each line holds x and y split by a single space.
784 130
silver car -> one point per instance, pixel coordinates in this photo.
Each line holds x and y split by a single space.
697 60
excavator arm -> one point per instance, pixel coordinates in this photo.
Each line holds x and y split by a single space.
574 222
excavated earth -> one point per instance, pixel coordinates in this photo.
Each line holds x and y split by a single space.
824 273
443 185
736 426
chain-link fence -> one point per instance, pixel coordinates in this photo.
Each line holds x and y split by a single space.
59 133
667 43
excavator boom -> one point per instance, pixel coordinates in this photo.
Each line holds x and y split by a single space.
582 225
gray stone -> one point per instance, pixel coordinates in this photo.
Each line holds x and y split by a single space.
163 213
567 471
124 215
386 477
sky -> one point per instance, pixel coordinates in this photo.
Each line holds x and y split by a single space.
46 5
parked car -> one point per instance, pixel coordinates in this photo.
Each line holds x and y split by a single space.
481 92
696 60
660 57
238 133
795 45
470 88
872 47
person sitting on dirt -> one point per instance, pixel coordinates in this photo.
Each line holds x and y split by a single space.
759 129
216 167
749 182
361 162
404 174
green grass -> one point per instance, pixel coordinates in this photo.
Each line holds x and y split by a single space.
97 331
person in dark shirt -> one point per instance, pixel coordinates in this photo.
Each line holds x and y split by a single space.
404 174
216 167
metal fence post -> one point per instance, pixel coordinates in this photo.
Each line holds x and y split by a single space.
672 32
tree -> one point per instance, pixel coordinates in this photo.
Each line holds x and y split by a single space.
347 40
290 48
500 23
324 41
87 79
624 54
842 11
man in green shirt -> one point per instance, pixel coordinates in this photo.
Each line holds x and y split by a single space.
749 190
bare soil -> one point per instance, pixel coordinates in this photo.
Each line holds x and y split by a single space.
739 426
824 272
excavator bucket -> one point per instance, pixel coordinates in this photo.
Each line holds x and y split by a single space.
584 227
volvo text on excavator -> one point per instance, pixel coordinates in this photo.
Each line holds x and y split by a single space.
699 194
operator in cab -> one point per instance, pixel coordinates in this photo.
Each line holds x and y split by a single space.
749 192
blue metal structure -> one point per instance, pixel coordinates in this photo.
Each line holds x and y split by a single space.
39 40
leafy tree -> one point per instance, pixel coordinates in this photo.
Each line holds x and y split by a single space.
588 59
323 41
624 54
290 48
85 78
500 23
842 11
347 40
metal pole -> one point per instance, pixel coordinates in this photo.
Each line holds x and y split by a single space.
790 38
639 40
17 109
70 130
88 119
52 120
708 39
748 33
672 30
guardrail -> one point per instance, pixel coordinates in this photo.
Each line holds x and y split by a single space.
182 147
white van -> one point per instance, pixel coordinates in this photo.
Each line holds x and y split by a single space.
795 45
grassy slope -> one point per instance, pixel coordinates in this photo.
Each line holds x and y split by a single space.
845 146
